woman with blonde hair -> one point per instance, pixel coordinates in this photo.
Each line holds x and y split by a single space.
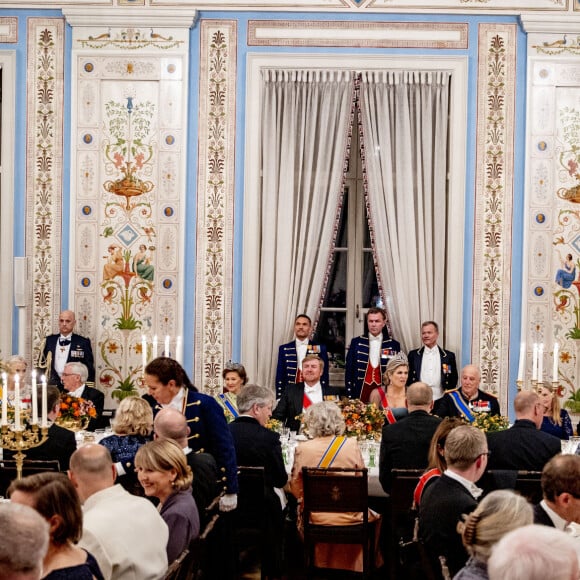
391 396
132 428
556 420
163 472
497 514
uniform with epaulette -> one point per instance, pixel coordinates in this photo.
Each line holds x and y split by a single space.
455 404
288 371
209 433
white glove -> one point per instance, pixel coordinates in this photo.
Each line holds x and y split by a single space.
228 502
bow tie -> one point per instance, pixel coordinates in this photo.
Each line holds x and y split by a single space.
302 342
308 389
64 341
375 338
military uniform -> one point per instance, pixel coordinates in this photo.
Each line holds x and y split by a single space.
455 404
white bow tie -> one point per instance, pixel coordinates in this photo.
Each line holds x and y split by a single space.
301 342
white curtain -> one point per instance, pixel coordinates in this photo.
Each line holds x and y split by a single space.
405 140
305 124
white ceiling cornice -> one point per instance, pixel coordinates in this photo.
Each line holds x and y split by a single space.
147 16
554 24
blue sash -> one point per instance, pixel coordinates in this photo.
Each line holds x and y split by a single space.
461 406
332 451
227 404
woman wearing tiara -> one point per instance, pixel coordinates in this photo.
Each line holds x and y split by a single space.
391 396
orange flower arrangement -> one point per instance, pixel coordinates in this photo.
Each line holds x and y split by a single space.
76 408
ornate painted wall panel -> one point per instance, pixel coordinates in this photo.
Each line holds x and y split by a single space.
493 205
128 195
216 163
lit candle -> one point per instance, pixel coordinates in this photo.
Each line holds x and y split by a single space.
555 367
44 403
17 402
4 399
166 351
155 346
535 362
144 351
179 350
521 361
541 363
34 399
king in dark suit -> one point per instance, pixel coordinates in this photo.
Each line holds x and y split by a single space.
296 398
405 444
74 378
291 354
368 356
67 347
440 368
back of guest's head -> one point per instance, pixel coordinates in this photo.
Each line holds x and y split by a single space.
78 368
525 402
54 495
169 423
133 417
419 395
251 395
324 419
534 552
437 446
91 461
25 535
498 513
165 455
167 369
561 475
463 446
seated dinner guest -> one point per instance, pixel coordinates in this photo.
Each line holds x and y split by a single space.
467 399
257 446
392 398
329 447
74 378
556 421
405 444
17 365
500 512
297 398
235 377
164 474
54 497
431 364
132 427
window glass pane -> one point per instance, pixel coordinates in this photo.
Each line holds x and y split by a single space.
342 237
370 286
336 291
366 234
331 331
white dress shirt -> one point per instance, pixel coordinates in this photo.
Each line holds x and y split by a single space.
61 354
176 402
314 393
301 348
431 370
78 392
559 522
468 485
375 343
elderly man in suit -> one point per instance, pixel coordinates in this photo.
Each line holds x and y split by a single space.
405 444
74 378
291 355
561 490
67 347
452 495
431 364
257 446
297 398
368 356
523 445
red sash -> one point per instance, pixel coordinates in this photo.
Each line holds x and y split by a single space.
299 378
306 402
386 407
423 481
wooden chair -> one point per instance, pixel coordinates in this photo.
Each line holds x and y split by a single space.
527 483
175 569
29 467
337 490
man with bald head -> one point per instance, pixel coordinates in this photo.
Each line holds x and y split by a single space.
467 398
169 423
124 532
67 347
405 444
523 446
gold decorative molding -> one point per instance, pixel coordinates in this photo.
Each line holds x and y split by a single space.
493 206
215 200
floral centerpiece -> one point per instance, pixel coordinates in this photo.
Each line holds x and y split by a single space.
364 421
75 412
489 423
274 425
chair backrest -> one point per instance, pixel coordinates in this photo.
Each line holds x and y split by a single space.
175 568
29 467
251 505
335 489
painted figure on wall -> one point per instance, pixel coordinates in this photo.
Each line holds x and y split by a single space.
567 273
115 264
142 263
